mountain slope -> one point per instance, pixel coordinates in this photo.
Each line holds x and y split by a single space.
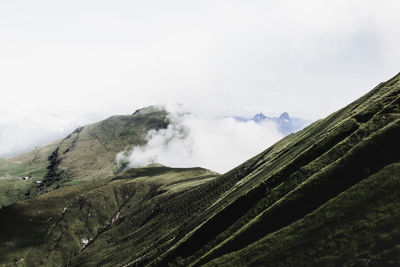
87 153
52 228
358 227
298 175
324 196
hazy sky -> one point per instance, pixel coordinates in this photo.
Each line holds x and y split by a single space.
307 57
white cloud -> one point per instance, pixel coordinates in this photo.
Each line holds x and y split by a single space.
24 133
218 144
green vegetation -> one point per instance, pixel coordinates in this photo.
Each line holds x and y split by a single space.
324 196
51 229
87 153
12 185
357 227
296 176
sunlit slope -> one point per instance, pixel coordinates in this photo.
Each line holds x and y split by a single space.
53 228
33 163
87 153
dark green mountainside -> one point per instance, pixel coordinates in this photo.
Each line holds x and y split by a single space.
325 196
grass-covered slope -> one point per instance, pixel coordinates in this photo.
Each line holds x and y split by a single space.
324 196
89 152
34 164
97 217
86 154
293 179
359 227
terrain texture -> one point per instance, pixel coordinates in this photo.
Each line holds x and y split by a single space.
325 196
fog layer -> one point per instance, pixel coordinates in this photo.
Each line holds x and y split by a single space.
218 144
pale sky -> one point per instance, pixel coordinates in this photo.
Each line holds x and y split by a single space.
307 57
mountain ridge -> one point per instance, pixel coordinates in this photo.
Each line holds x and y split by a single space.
324 196
86 153
286 124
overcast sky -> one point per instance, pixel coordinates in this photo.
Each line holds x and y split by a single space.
306 57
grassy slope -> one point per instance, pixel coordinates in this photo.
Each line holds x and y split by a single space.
87 153
91 153
359 226
48 229
34 163
324 196
295 177
273 190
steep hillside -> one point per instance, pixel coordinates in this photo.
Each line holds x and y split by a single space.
324 196
87 153
305 179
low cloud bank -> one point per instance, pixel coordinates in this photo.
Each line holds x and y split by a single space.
218 144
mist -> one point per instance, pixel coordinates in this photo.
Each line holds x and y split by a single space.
215 143
19 134
308 58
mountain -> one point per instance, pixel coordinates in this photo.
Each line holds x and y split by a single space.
327 195
285 123
87 153
52 228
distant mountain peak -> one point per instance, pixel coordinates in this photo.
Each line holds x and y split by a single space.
285 123
284 116
259 117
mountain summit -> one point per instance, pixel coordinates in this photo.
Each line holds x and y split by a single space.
284 116
284 122
259 117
